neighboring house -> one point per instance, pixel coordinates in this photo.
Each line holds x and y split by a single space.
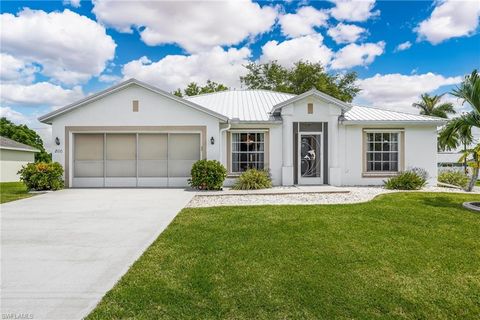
136 135
13 155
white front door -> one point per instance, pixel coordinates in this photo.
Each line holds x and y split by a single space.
310 158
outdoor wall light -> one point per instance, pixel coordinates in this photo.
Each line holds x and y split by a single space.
57 141
212 140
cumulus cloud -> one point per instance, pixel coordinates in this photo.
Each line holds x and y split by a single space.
450 19
16 70
403 46
109 78
196 26
353 10
37 94
287 52
357 55
70 48
176 71
397 91
346 33
73 3
303 21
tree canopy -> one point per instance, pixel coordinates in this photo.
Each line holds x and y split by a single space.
194 89
300 78
23 134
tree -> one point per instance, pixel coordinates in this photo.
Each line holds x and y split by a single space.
431 106
300 78
194 89
468 91
23 134
472 157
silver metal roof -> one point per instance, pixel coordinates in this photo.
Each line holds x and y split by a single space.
244 105
10 144
367 114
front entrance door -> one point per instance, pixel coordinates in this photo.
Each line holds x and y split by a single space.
310 158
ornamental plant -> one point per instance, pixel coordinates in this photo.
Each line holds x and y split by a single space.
42 176
253 179
207 175
453 177
407 180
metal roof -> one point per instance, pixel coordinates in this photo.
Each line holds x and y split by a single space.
244 105
369 114
10 144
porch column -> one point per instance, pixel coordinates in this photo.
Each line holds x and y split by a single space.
287 147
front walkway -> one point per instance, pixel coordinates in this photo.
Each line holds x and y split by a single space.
62 251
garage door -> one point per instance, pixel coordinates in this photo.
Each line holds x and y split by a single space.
134 159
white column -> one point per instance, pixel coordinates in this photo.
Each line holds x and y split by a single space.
334 145
287 147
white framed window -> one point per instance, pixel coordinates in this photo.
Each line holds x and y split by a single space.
247 151
383 151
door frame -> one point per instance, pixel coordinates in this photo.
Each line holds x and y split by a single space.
309 180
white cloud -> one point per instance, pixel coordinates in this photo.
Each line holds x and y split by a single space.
15 70
176 71
73 3
353 10
303 21
70 48
13 115
308 47
346 33
450 19
196 26
397 91
403 46
109 78
357 55
40 93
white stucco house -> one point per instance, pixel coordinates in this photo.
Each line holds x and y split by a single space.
14 155
136 135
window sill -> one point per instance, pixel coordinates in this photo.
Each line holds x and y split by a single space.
379 174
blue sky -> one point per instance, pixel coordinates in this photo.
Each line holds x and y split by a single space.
55 52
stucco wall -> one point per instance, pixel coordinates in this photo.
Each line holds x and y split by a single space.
116 110
420 150
11 161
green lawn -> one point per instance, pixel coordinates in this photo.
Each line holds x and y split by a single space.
400 256
10 191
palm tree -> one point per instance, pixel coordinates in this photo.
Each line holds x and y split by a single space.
431 106
468 91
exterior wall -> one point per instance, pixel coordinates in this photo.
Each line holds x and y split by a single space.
420 150
116 110
11 161
322 112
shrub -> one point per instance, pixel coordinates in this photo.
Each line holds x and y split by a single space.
456 178
207 175
407 180
253 179
42 176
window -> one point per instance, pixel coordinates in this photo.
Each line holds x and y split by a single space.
248 151
382 151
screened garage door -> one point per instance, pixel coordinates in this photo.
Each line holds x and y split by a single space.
134 159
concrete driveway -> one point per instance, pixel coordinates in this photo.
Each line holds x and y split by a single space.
62 251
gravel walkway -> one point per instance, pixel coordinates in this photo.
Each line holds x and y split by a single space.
355 195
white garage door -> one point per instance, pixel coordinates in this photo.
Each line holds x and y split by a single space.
134 159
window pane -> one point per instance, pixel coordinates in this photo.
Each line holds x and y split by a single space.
247 150
382 151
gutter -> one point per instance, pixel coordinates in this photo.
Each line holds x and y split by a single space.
229 125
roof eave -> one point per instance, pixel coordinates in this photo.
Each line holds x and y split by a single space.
19 149
344 106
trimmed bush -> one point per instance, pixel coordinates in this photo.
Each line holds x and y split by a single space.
253 179
207 175
453 177
42 176
407 180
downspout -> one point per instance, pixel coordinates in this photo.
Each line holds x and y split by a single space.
229 125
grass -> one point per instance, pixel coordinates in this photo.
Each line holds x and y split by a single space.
400 256
10 191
